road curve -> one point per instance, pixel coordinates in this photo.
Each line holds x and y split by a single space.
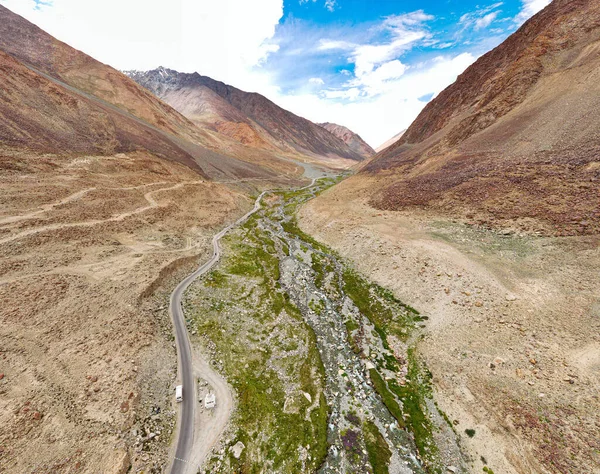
185 432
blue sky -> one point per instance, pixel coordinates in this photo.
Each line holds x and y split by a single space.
371 65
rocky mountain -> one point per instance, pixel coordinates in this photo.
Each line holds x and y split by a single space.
248 117
58 99
353 140
515 140
390 142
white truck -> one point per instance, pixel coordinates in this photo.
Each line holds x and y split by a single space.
179 393
210 401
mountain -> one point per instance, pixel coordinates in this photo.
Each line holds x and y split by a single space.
390 142
62 100
248 117
353 140
515 140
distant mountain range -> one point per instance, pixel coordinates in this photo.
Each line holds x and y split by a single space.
56 99
247 117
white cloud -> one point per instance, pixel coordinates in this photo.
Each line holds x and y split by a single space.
530 8
486 20
378 118
480 18
330 5
377 62
231 39
327 44
224 39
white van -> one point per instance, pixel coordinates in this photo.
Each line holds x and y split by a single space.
179 393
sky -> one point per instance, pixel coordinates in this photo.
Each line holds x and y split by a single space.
371 65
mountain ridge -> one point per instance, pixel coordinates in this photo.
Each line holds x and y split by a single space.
352 139
283 129
514 140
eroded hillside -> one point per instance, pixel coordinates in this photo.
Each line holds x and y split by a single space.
515 141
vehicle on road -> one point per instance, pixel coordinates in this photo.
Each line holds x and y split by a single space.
179 393
210 401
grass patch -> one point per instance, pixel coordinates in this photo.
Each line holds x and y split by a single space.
248 281
387 397
413 396
378 451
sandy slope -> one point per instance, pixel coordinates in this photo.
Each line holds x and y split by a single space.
86 353
513 336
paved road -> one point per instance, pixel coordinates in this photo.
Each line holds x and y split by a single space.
185 433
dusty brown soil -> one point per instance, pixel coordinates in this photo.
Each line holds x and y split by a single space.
513 336
84 358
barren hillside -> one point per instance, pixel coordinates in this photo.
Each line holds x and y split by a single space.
485 216
515 141
108 196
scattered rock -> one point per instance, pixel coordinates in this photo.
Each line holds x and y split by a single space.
307 396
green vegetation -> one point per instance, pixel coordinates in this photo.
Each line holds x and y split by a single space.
413 396
249 318
388 397
378 451
384 311
470 432
487 470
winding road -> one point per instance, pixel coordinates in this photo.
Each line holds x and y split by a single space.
185 432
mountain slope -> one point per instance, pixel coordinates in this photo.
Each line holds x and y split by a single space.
354 141
390 142
133 117
271 123
515 140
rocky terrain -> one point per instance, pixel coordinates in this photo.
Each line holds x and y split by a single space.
514 142
243 115
354 141
108 196
88 244
318 370
484 217
512 331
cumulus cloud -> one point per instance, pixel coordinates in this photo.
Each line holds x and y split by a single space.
376 62
486 20
316 80
378 118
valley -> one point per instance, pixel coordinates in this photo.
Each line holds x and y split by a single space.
319 384
195 279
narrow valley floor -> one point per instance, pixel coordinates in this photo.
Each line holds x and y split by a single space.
321 362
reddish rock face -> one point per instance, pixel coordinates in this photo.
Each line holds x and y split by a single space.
354 141
514 141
